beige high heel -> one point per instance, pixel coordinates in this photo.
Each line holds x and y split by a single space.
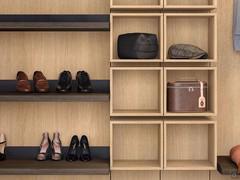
45 148
3 144
56 147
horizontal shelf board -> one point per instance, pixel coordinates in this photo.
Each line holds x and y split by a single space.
136 165
190 60
136 113
136 60
191 114
225 166
94 22
33 167
21 161
135 7
100 93
189 7
189 165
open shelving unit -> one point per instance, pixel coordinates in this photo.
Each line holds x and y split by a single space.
136 91
122 23
205 74
190 144
136 144
190 4
199 29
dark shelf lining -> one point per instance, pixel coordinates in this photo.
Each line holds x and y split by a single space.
47 22
100 93
225 166
21 161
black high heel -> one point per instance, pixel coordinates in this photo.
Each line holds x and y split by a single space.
45 148
3 143
84 83
72 154
85 153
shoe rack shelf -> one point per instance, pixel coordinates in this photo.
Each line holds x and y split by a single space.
54 22
136 145
21 161
100 93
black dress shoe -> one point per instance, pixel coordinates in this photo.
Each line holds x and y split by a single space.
72 154
85 154
84 83
65 82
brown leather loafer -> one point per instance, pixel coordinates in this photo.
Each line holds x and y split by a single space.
40 82
23 84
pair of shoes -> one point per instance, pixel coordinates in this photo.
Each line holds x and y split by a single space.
3 144
39 80
85 154
82 78
50 150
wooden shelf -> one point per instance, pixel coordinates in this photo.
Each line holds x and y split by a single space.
135 61
135 165
100 93
136 5
190 144
190 5
190 60
136 144
95 22
21 161
189 165
33 167
225 166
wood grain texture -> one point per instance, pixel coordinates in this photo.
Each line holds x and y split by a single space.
189 2
54 6
185 175
98 177
25 126
53 52
135 175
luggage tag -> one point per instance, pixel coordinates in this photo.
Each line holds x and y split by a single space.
202 99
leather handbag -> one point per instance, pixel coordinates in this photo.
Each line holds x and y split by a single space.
187 96
186 51
138 46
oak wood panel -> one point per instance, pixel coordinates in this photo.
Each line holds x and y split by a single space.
189 2
98 177
24 123
135 175
136 2
52 52
54 6
185 175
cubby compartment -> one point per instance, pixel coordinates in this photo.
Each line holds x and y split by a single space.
136 91
135 175
190 4
198 29
204 74
122 23
136 144
136 4
190 144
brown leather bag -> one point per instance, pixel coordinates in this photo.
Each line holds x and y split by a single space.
235 156
187 96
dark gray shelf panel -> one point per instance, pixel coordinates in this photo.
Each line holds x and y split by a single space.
83 22
226 166
100 93
21 161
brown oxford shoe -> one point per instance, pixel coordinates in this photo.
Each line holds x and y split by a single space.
40 82
23 84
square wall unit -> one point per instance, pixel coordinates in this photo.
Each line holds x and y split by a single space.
136 91
190 4
198 29
136 4
190 145
204 74
136 145
122 23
